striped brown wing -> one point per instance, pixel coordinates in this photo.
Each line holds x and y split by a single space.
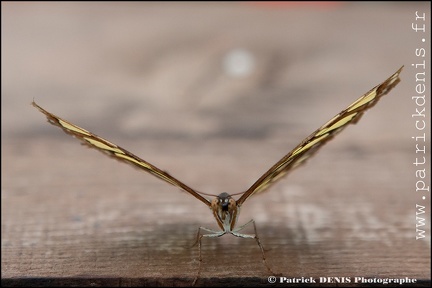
311 144
116 152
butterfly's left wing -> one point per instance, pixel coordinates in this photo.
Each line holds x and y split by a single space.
316 140
117 152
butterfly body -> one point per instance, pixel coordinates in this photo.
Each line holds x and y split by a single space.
225 211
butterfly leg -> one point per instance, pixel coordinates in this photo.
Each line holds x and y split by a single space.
254 236
198 240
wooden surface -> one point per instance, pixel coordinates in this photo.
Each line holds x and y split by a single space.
150 77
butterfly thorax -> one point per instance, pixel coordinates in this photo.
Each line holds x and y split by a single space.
225 210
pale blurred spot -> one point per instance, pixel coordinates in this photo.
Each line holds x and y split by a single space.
238 63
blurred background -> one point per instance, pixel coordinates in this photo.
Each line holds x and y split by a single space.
214 93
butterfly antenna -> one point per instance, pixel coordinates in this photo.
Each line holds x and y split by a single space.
207 194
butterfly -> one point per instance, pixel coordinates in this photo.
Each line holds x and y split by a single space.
224 207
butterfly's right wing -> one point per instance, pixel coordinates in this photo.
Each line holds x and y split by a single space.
316 140
116 152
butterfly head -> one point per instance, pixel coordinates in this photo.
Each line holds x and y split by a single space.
225 210
224 201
